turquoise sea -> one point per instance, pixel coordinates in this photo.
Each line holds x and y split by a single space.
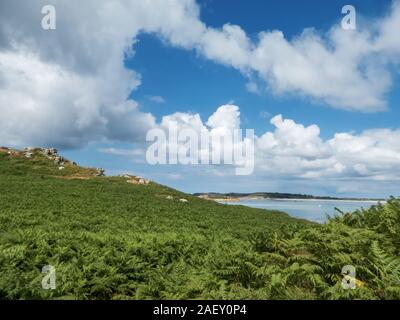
314 210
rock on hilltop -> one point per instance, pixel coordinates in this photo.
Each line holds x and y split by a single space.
47 161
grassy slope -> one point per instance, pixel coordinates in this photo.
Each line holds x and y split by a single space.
110 239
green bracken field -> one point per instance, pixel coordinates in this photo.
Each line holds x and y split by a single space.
109 239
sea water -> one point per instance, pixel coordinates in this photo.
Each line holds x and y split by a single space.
313 210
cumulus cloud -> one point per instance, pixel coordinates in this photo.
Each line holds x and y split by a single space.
345 69
48 103
293 150
122 152
221 122
156 99
298 151
226 116
183 138
69 86
291 139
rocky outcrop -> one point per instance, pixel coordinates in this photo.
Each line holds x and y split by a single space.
135 179
49 153
100 172
169 197
8 150
60 162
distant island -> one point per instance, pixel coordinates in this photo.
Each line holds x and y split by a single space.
236 197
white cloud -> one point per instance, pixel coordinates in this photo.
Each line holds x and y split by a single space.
344 69
156 99
213 141
291 138
295 151
69 86
253 87
122 152
184 121
45 103
230 46
298 151
226 116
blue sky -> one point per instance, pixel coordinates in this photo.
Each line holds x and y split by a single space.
188 77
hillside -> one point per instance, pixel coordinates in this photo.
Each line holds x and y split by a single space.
127 238
109 238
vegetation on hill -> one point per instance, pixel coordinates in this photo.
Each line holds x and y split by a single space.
109 239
